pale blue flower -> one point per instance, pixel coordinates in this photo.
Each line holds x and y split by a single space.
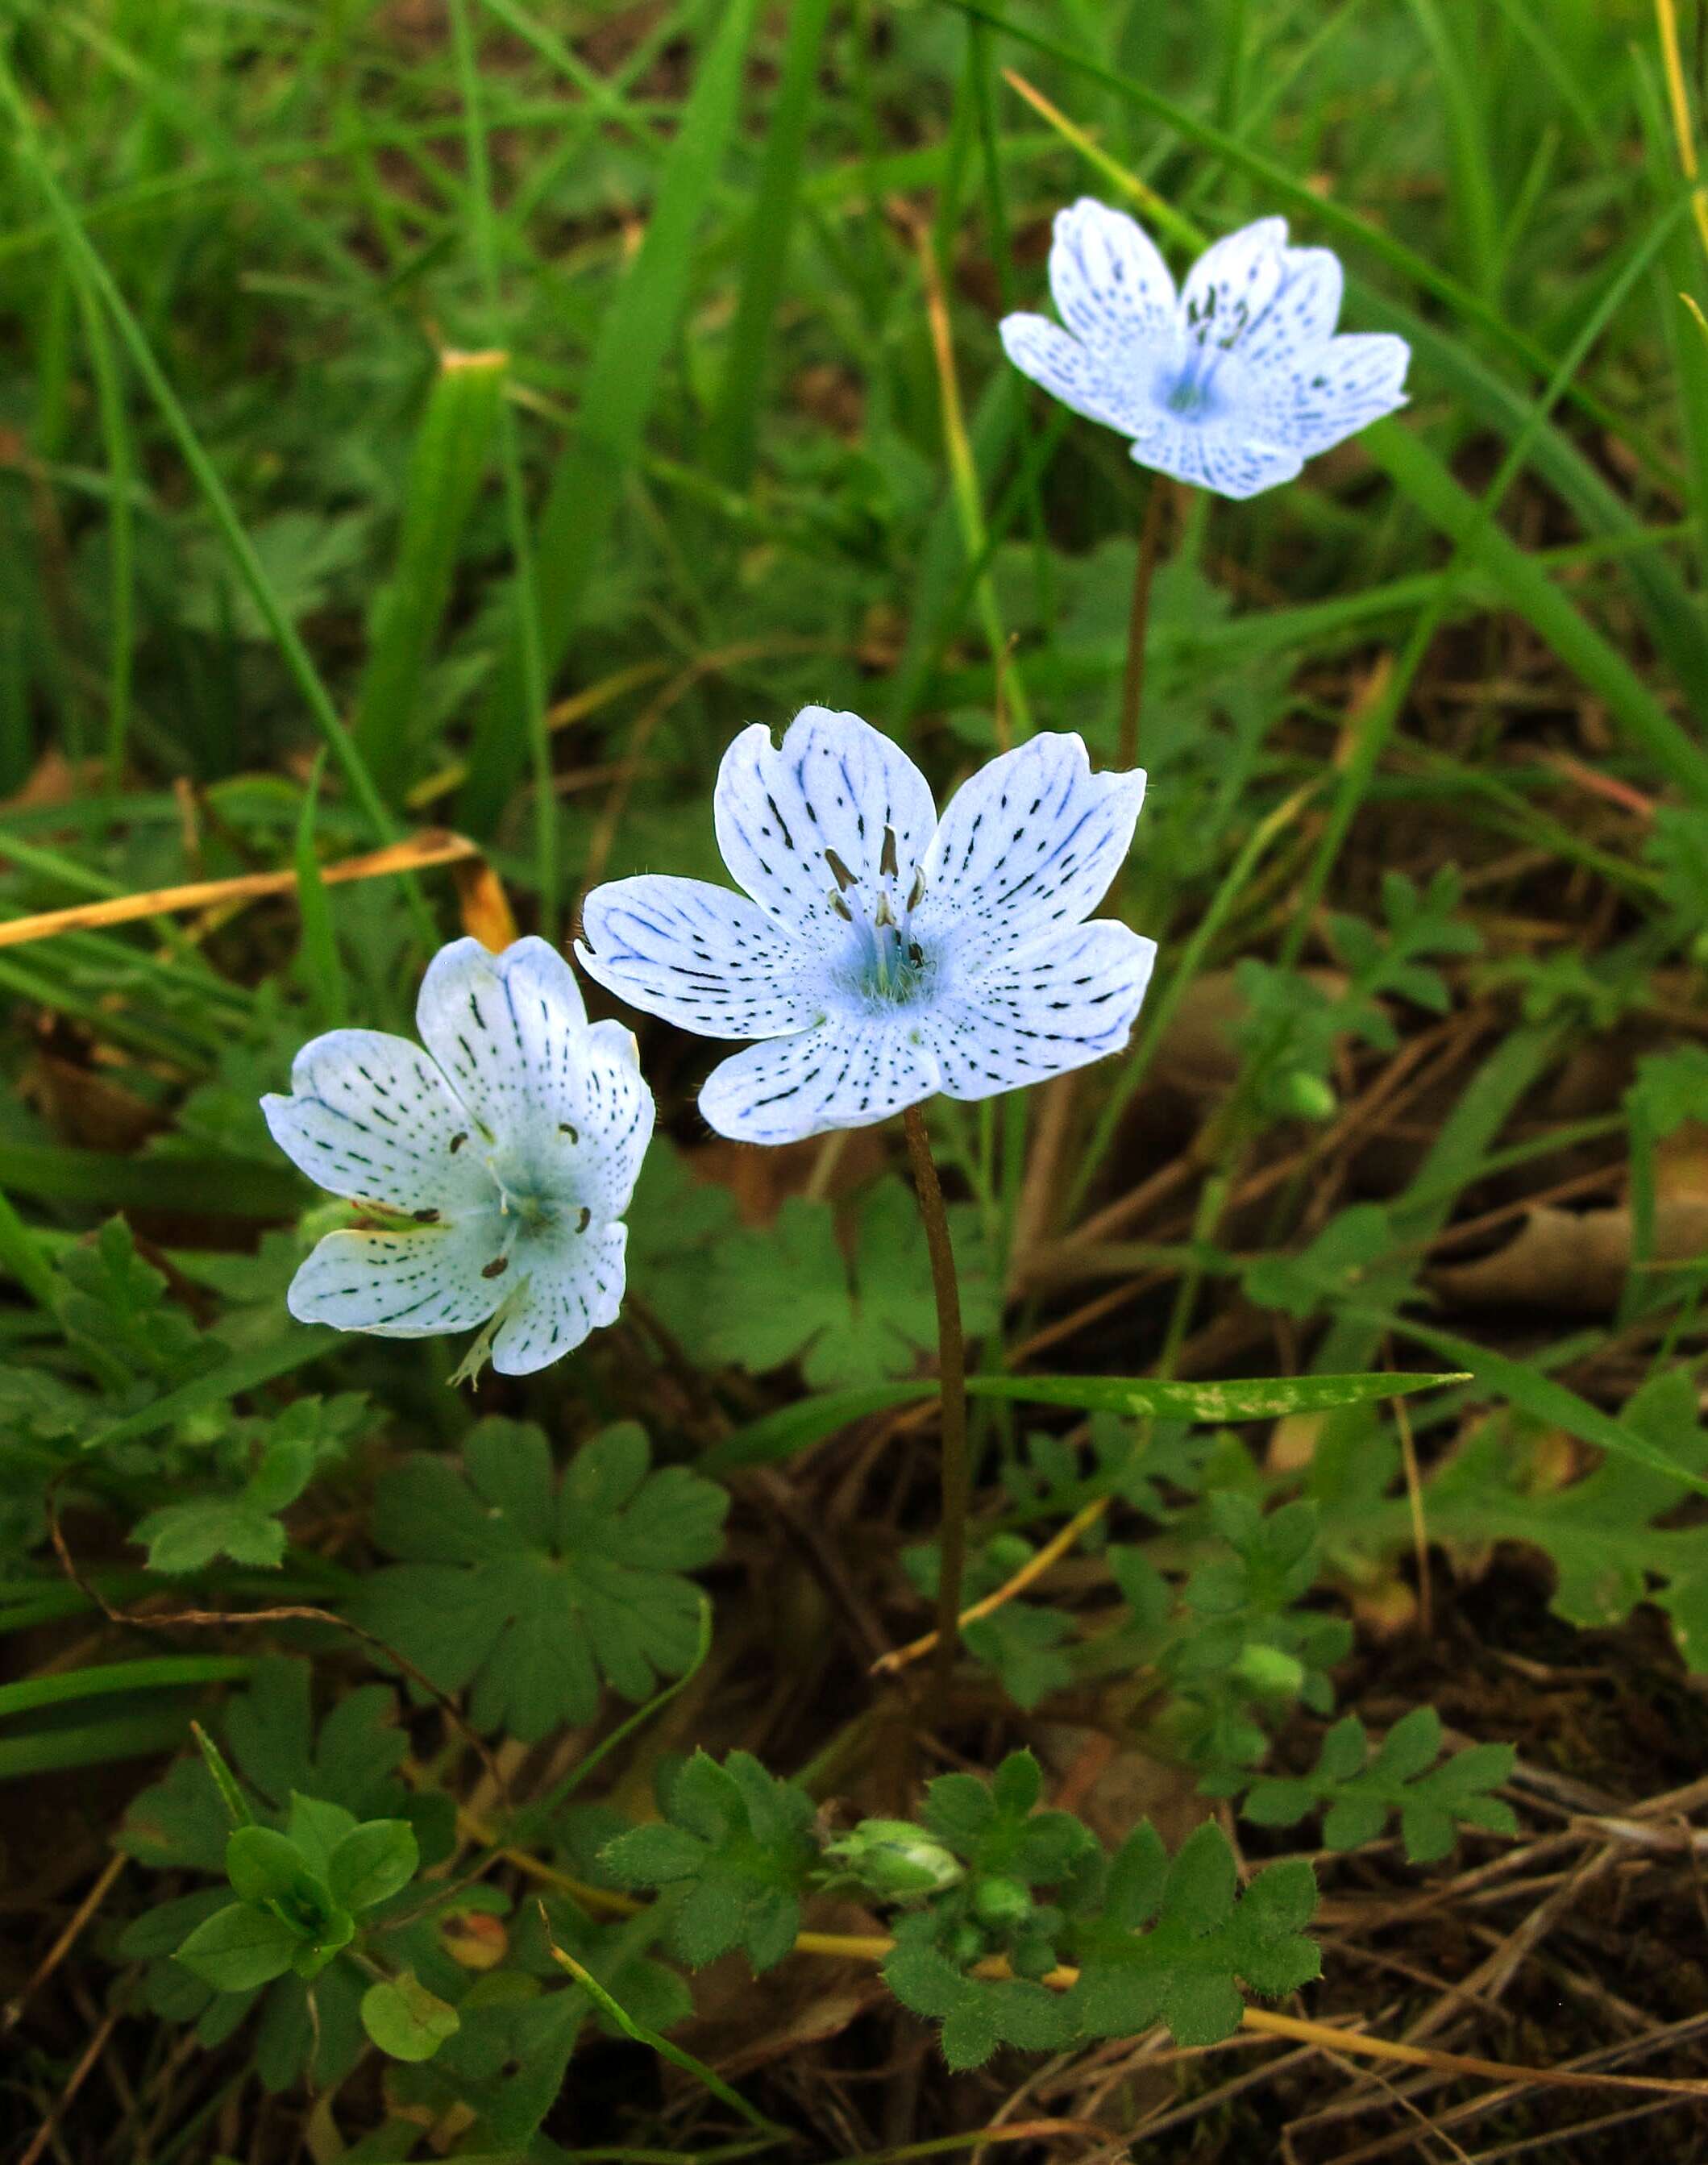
1233 383
502 1162
884 956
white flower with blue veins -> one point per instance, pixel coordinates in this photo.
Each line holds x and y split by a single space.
507 1151
1233 383
881 954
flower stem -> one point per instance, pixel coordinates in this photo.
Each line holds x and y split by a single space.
1126 749
951 1370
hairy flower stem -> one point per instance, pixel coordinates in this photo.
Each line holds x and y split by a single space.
1126 748
951 1370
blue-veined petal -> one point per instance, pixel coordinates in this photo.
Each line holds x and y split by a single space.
407 1284
605 1123
1109 281
1225 458
370 1116
703 957
1233 284
507 1030
1333 393
1121 399
1046 1009
1027 848
574 1287
849 1073
1301 314
835 792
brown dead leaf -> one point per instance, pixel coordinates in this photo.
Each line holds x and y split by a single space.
1572 1262
483 904
1127 1788
85 1107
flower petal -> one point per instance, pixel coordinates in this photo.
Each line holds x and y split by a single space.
1046 1010
703 957
1234 282
1303 311
507 1030
371 1117
1340 388
575 1287
410 1284
1223 457
1109 281
1073 373
605 1104
847 1074
1027 847
836 789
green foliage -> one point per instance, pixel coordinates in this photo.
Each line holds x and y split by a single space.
736 1848
1358 1792
1610 1534
1152 1940
283 1456
326 1846
536 1591
1243 1643
756 1297
1292 1024
1173 1942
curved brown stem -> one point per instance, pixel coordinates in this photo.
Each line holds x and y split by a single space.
1126 743
952 1372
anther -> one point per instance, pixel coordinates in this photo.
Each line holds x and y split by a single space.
888 863
844 877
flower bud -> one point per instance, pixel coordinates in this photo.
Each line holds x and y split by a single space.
1304 1096
1001 1903
895 1857
1270 1671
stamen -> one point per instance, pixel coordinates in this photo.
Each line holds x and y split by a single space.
887 862
496 1268
841 908
844 877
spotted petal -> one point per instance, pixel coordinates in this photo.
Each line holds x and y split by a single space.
1109 280
1225 458
1301 314
1027 848
836 792
705 958
1233 284
371 1117
507 1030
1042 1012
575 1287
849 1073
607 1111
1340 388
1076 374
409 1284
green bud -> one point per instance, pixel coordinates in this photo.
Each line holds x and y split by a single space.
966 1945
895 1857
1001 1903
1268 1671
1304 1096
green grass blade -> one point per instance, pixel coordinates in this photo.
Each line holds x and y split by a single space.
169 1672
1527 589
733 439
621 383
322 970
82 254
446 468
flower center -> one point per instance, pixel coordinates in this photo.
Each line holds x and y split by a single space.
887 965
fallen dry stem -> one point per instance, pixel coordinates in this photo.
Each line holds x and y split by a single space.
436 847
874 1946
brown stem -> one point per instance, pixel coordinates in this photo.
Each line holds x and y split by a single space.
1126 748
951 1372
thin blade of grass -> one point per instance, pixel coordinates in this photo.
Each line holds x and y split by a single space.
446 468
620 384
